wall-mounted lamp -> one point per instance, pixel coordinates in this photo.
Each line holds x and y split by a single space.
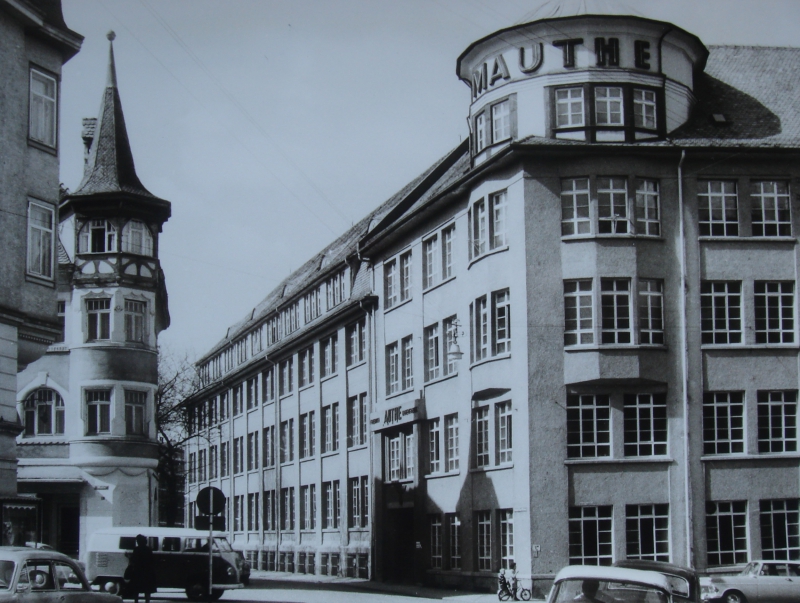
453 350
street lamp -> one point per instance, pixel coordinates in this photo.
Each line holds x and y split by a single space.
453 350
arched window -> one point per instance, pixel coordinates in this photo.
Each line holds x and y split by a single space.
136 238
44 413
98 236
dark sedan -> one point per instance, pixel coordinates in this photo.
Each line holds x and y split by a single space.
685 582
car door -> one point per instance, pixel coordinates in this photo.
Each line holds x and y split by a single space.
770 582
71 588
789 588
39 574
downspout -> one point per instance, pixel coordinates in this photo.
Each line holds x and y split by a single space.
685 371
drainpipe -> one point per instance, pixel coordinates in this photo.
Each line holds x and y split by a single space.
685 371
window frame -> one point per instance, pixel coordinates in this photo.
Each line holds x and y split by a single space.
484 133
98 411
40 261
48 123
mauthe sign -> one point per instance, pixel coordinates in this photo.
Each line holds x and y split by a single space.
530 59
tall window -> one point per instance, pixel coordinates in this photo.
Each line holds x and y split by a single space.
357 420
308 507
430 265
647 532
507 539
503 428
287 508
335 288
484 522
268 446
252 511
726 532
435 522
307 435
392 368
723 422
135 312
223 459
480 420
645 424
238 399
608 106
137 238
651 312
448 236
575 216
770 209
330 427
98 236
44 413
780 529
356 341
774 312
329 360
434 446
612 205
721 312
450 331
202 464
501 322
286 377
42 107
480 132
569 107
717 205
306 372
405 276
451 442
98 411
270 519
407 362
41 239
287 441
590 535
501 121
431 348
98 315
238 455
777 421
615 308
251 393
644 109
648 208
358 495
480 332
252 451
391 288
312 304
454 540
192 471
588 426
61 309
135 404
578 321
331 505
488 221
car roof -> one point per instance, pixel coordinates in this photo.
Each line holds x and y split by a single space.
617 574
15 553
658 566
157 532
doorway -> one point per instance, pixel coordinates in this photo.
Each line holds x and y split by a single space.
69 530
400 546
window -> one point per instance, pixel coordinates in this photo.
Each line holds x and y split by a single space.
268 446
507 539
98 411
717 207
98 236
480 132
356 342
44 413
480 420
590 536
777 421
501 322
645 420
575 216
252 511
721 312
238 399
448 235
268 385
135 404
192 472
357 420
223 459
500 334
454 540
479 231
615 307
726 532
252 451
644 109
61 309
723 422
405 276
330 427
308 507
648 208
335 289
488 224
286 377
238 455
612 205
569 108
484 522
578 322
780 529
331 505
307 435
434 444
651 312
312 304
306 361
588 426
359 502
287 441
41 239
135 312
774 312
503 438
608 106
392 369
430 265
251 395
647 532
450 328
501 121
290 318
451 441
43 112
98 315
771 216
287 508
391 288
213 461
270 520
435 522
407 361
431 348
202 463
136 238
329 361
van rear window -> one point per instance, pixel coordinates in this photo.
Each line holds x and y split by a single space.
171 544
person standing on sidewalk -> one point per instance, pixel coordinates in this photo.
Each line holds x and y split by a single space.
141 570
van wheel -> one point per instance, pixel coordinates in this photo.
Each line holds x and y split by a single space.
216 593
198 591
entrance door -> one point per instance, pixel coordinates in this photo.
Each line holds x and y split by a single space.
400 552
69 530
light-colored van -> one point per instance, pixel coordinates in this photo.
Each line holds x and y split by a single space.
181 559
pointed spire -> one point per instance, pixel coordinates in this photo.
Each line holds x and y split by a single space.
110 167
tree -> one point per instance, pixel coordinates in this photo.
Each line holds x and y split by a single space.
177 380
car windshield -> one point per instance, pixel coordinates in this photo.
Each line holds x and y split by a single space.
750 569
603 591
222 544
6 573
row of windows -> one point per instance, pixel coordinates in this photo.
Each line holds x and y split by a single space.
100 236
647 532
44 412
493 537
606 106
356 565
98 320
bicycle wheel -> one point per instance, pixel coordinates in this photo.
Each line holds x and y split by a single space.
503 595
524 594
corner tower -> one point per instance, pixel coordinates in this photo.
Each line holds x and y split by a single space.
99 384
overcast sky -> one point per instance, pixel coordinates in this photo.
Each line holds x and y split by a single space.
272 126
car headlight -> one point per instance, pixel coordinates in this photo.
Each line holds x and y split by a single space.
231 572
709 591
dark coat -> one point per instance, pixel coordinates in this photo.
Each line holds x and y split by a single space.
142 570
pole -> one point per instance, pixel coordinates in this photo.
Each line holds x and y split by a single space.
210 552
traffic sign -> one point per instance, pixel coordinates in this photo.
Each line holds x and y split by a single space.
210 501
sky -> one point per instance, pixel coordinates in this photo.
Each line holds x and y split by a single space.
272 126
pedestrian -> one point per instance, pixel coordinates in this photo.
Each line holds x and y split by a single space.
141 571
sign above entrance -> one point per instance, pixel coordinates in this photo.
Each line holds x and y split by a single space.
399 414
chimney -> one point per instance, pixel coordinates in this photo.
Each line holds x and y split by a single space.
89 125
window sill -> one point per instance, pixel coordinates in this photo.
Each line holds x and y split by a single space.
614 346
619 461
40 280
441 474
329 377
477 363
308 458
302 388
750 346
442 378
357 447
486 254
750 457
439 284
400 393
331 453
286 395
398 305
43 146
355 365
743 239
604 236
492 468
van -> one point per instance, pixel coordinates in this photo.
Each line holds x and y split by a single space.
181 559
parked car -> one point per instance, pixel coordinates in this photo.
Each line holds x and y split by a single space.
759 582
685 582
44 576
594 583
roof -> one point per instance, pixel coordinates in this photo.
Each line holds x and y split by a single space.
617 574
45 20
26 552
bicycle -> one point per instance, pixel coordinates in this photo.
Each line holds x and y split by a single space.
514 591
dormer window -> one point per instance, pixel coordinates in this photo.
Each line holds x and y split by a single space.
136 238
98 236
495 123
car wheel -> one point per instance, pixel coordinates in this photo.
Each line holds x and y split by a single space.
197 590
734 596
216 593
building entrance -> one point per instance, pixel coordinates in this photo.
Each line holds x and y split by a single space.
69 530
400 547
